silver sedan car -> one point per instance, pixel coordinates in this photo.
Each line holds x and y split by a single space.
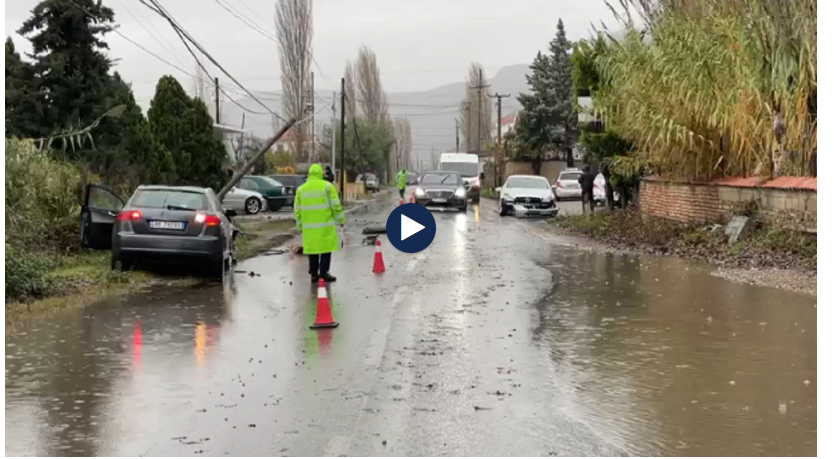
244 201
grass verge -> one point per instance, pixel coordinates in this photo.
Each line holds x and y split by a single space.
762 246
258 236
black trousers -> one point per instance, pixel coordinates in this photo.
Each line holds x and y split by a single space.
319 264
402 192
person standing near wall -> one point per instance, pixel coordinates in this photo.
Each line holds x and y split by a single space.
586 182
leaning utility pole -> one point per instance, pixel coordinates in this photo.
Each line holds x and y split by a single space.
217 100
498 160
342 162
480 89
249 164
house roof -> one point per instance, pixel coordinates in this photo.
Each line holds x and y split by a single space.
509 119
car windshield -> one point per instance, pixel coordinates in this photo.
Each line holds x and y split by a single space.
164 199
570 176
440 179
464 169
527 182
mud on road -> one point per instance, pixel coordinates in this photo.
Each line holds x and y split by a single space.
496 340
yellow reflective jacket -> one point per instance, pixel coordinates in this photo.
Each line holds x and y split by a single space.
318 211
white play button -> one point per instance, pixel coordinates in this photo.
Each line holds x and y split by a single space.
409 227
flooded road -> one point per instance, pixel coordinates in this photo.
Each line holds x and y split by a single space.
496 340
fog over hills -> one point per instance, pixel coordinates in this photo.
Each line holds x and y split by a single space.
432 113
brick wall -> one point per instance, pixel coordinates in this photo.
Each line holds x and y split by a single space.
715 202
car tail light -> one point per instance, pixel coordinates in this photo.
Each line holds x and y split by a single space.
130 215
209 220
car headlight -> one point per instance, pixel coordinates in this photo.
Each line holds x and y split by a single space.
419 192
548 198
460 192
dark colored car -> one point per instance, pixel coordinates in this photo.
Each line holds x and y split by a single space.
290 182
441 189
160 223
270 188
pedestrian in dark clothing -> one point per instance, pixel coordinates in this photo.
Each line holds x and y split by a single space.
328 174
586 182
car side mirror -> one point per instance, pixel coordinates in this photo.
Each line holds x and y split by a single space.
230 213
498 188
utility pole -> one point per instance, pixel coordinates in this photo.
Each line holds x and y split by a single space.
480 89
342 162
457 135
499 168
333 133
312 117
217 100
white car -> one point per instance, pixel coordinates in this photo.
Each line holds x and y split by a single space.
246 201
527 195
599 191
567 185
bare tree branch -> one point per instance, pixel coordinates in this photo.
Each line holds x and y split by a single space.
372 99
470 107
350 92
294 29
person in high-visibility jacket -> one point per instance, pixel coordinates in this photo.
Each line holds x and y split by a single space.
318 211
402 182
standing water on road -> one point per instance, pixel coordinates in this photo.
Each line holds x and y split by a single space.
491 340
679 362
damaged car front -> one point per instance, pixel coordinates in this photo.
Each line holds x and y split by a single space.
527 195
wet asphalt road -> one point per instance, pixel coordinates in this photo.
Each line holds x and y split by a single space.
496 340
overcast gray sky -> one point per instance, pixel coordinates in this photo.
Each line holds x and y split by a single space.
420 44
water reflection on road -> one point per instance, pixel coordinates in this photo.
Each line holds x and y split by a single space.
678 362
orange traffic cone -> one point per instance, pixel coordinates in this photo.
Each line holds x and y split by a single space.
401 201
379 263
324 319
411 199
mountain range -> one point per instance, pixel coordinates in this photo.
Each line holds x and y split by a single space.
432 113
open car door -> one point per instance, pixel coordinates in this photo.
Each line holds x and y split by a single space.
99 213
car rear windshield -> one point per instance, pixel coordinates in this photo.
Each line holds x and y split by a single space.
161 199
464 169
440 179
268 181
527 182
570 176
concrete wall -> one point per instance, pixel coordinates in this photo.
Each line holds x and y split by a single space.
715 202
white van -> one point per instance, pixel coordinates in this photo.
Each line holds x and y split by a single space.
465 164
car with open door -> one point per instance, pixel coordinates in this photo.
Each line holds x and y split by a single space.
170 224
99 212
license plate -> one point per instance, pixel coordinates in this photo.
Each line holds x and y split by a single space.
440 200
167 225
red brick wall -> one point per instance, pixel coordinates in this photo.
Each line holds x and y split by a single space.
682 202
712 202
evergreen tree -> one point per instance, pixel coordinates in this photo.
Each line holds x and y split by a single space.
68 62
549 107
21 106
182 126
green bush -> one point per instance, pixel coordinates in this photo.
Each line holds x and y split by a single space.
27 274
43 198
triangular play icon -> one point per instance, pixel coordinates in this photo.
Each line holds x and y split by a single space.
409 227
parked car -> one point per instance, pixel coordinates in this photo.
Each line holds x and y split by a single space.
528 195
244 201
272 190
161 223
371 182
567 185
441 189
290 182
599 191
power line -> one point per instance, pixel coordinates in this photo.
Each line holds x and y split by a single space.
183 34
170 48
